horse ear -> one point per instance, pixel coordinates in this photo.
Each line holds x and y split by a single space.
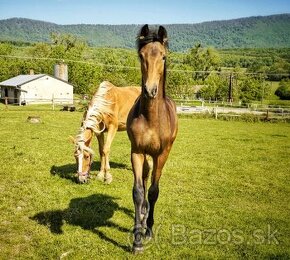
144 31
162 34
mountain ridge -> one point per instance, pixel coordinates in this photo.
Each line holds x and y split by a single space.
248 32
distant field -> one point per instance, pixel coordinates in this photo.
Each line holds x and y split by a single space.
224 193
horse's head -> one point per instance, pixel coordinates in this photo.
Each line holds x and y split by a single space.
84 158
152 50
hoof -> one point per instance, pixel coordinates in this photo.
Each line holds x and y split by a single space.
138 250
108 178
101 176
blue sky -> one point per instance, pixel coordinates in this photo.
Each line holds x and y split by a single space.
139 11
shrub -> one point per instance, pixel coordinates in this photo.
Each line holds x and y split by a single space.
283 91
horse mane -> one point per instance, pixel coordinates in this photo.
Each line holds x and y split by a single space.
152 36
98 107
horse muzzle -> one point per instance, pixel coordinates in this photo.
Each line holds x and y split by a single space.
150 92
83 177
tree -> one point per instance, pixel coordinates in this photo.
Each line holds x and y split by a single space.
202 61
252 88
283 91
215 88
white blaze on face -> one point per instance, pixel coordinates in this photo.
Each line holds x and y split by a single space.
80 158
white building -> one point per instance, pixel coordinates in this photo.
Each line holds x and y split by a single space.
36 89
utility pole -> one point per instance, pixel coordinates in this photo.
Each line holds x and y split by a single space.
230 96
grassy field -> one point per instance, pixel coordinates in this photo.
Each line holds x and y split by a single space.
224 193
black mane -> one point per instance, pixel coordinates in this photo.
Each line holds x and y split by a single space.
152 36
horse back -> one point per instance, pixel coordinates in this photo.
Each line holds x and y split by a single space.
123 98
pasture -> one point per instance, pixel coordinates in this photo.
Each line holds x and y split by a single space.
224 193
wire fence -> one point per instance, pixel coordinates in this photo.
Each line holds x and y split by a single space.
122 67
66 103
216 109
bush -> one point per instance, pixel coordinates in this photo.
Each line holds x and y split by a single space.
283 91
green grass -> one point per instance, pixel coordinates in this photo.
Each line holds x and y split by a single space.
224 193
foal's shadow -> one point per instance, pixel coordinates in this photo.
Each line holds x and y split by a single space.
90 213
68 171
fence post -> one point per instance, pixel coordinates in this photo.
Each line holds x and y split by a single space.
282 112
52 102
6 102
215 112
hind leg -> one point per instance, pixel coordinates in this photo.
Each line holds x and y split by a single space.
112 129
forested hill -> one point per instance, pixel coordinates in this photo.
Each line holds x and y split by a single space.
252 32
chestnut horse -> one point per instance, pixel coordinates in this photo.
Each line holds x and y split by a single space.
151 127
107 112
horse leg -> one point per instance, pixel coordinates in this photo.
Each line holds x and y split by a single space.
137 161
101 141
145 206
112 129
153 192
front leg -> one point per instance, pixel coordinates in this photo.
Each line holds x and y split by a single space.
145 206
101 141
153 192
112 129
137 161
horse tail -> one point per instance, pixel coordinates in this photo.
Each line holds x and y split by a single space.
99 107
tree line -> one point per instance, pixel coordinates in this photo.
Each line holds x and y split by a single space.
202 72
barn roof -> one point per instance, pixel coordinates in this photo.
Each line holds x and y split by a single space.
20 80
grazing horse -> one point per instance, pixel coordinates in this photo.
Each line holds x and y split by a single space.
151 127
107 112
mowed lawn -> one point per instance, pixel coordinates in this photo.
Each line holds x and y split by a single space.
224 193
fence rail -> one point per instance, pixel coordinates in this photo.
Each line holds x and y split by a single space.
216 109
266 113
39 101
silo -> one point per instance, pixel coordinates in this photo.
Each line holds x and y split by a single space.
61 71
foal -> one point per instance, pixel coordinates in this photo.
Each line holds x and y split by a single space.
151 127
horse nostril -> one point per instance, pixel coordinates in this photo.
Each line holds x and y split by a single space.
150 92
146 92
154 91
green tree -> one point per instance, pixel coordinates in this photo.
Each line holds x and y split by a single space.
203 61
215 88
253 88
283 91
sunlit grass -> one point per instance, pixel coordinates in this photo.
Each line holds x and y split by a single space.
224 193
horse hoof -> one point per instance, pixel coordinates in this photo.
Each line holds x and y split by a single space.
138 250
101 176
108 178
